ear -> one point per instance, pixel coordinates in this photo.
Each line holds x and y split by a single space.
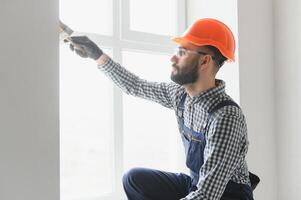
204 61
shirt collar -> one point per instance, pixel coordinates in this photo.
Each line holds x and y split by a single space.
212 92
209 97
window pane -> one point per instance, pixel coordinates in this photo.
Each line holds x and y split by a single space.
85 132
91 16
155 16
150 130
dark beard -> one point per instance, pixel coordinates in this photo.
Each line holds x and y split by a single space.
185 77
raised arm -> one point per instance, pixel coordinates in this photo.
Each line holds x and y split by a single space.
163 93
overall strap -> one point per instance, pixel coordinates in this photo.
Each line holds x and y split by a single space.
183 97
180 106
222 104
217 107
212 110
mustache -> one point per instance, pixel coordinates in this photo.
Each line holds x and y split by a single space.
175 66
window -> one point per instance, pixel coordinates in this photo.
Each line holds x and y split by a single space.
90 16
102 130
155 153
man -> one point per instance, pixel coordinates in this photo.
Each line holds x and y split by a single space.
212 126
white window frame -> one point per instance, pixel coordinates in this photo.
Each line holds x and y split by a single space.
127 34
122 39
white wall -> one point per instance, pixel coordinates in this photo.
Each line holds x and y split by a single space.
255 27
29 110
253 22
288 97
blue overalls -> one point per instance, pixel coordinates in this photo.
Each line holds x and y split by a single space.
151 184
194 144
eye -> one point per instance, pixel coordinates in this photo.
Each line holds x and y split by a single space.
182 52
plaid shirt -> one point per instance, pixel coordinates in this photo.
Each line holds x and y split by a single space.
226 139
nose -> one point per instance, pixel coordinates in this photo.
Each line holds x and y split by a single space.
174 59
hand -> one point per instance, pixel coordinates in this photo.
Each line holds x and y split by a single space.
84 47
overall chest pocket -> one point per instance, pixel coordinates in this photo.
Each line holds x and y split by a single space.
195 152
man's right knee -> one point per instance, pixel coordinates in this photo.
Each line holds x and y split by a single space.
133 176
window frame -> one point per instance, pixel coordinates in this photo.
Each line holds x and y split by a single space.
123 38
127 34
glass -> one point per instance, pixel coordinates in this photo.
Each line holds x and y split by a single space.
150 130
156 16
183 52
90 16
86 163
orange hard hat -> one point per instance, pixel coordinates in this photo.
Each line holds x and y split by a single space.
210 32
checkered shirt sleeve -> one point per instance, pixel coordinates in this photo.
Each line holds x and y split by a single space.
162 93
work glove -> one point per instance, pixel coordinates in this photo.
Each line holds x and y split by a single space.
84 47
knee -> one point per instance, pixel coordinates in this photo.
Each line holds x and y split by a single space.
132 176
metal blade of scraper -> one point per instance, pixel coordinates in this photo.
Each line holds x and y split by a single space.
65 33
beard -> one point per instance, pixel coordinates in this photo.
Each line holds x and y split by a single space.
187 76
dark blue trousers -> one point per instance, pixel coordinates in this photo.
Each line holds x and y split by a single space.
149 184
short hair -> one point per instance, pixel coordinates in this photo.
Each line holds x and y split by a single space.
218 56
